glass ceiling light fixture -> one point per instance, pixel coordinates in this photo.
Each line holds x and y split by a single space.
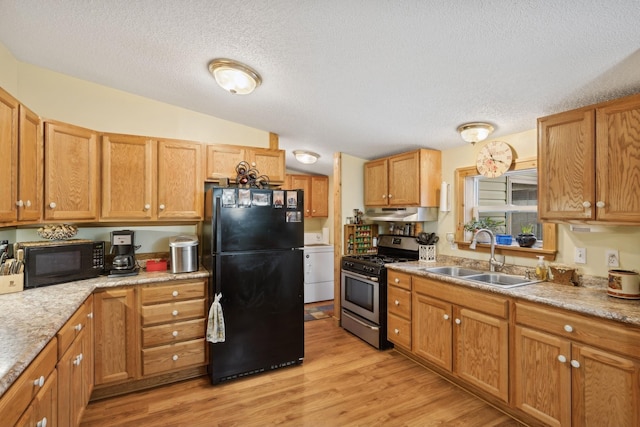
475 132
234 77
306 157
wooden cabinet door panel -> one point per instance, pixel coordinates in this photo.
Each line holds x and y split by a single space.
605 388
618 161
432 330
404 179
482 351
173 356
566 159
173 332
173 311
302 182
399 301
222 161
320 196
71 179
180 186
268 162
376 181
29 166
8 156
542 382
115 335
399 331
128 171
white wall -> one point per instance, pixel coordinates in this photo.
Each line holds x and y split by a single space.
623 238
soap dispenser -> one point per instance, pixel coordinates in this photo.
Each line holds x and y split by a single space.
541 269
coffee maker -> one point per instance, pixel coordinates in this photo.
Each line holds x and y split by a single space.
124 261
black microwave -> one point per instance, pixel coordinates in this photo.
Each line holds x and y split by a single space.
50 263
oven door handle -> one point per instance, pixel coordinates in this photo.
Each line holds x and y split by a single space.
366 325
353 275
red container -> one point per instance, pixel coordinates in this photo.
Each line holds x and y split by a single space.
160 265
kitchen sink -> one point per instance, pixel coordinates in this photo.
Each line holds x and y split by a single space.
493 279
453 271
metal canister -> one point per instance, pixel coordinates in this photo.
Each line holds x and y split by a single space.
184 254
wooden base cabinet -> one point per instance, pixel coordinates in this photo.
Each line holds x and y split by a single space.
399 309
464 332
562 379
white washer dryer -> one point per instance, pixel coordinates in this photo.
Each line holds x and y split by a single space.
318 273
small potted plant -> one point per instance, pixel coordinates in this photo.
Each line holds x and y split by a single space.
476 224
526 238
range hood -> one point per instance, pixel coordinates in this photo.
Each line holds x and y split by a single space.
409 214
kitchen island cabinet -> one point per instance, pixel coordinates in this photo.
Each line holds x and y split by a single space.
71 162
600 181
139 179
407 179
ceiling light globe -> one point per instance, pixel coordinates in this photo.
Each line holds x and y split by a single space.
475 132
306 157
234 77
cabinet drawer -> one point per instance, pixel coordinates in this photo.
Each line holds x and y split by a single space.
173 311
458 294
172 332
399 302
72 328
16 399
401 280
172 292
399 331
618 337
174 356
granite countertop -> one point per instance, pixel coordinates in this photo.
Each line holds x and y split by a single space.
32 317
592 301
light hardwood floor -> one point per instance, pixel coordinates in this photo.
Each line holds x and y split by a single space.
342 382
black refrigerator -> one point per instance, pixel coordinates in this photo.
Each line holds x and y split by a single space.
253 248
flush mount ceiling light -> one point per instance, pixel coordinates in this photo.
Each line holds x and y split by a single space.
475 132
306 157
235 77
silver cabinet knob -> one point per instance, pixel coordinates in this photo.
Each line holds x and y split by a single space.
445 317
42 422
390 195
396 331
458 321
28 203
19 203
397 280
568 328
175 357
174 333
174 293
396 302
78 327
586 205
384 196
600 204
161 207
174 312
575 363
147 206
52 205
562 359
39 382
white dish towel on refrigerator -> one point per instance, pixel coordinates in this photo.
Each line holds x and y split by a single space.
215 327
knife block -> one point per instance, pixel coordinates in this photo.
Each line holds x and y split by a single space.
11 283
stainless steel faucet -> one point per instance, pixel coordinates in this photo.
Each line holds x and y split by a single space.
494 264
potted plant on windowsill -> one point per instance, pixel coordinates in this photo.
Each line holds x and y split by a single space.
474 225
526 238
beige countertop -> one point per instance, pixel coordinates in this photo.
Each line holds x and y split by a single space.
29 319
591 301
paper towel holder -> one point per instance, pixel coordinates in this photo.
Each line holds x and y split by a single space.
445 197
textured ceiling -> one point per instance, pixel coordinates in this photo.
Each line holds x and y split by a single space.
365 77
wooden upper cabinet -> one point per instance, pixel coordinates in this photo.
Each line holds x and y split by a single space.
268 162
8 156
589 163
128 177
180 186
71 173
376 182
316 193
407 179
618 161
147 179
30 146
222 161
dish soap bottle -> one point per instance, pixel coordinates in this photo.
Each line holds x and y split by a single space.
541 269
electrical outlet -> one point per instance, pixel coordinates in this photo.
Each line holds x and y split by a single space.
580 256
612 258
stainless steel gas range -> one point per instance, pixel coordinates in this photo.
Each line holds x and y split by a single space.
364 288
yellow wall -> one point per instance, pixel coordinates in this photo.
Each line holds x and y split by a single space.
625 239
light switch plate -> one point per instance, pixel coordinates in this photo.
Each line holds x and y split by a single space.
580 256
612 258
